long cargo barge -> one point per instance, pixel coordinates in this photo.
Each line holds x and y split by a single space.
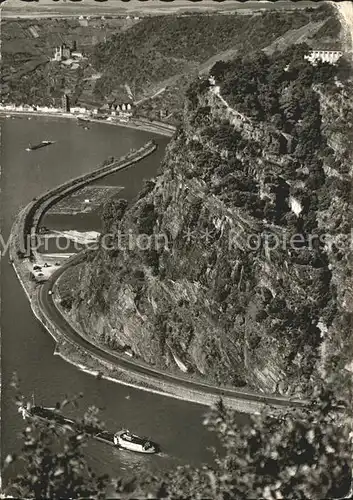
123 439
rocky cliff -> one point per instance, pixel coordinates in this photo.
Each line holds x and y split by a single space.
223 267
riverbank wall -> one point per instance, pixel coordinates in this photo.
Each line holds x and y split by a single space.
64 190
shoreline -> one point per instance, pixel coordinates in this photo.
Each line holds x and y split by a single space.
142 124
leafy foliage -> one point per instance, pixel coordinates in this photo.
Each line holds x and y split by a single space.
169 50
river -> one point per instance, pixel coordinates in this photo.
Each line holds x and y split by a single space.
28 349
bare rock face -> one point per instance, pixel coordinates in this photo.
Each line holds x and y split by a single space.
236 275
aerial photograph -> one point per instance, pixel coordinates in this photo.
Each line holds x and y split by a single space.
176 236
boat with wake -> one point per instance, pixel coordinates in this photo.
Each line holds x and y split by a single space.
123 439
42 144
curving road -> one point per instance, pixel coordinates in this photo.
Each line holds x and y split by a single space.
49 310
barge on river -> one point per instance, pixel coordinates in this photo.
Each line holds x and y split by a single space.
123 439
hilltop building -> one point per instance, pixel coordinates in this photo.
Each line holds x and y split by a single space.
163 113
328 56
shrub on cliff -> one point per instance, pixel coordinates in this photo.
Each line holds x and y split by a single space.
147 219
221 179
20 254
67 302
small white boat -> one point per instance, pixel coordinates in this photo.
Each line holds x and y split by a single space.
128 441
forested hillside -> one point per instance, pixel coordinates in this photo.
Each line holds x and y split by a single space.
154 55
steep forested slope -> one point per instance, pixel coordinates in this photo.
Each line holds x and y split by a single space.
170 51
